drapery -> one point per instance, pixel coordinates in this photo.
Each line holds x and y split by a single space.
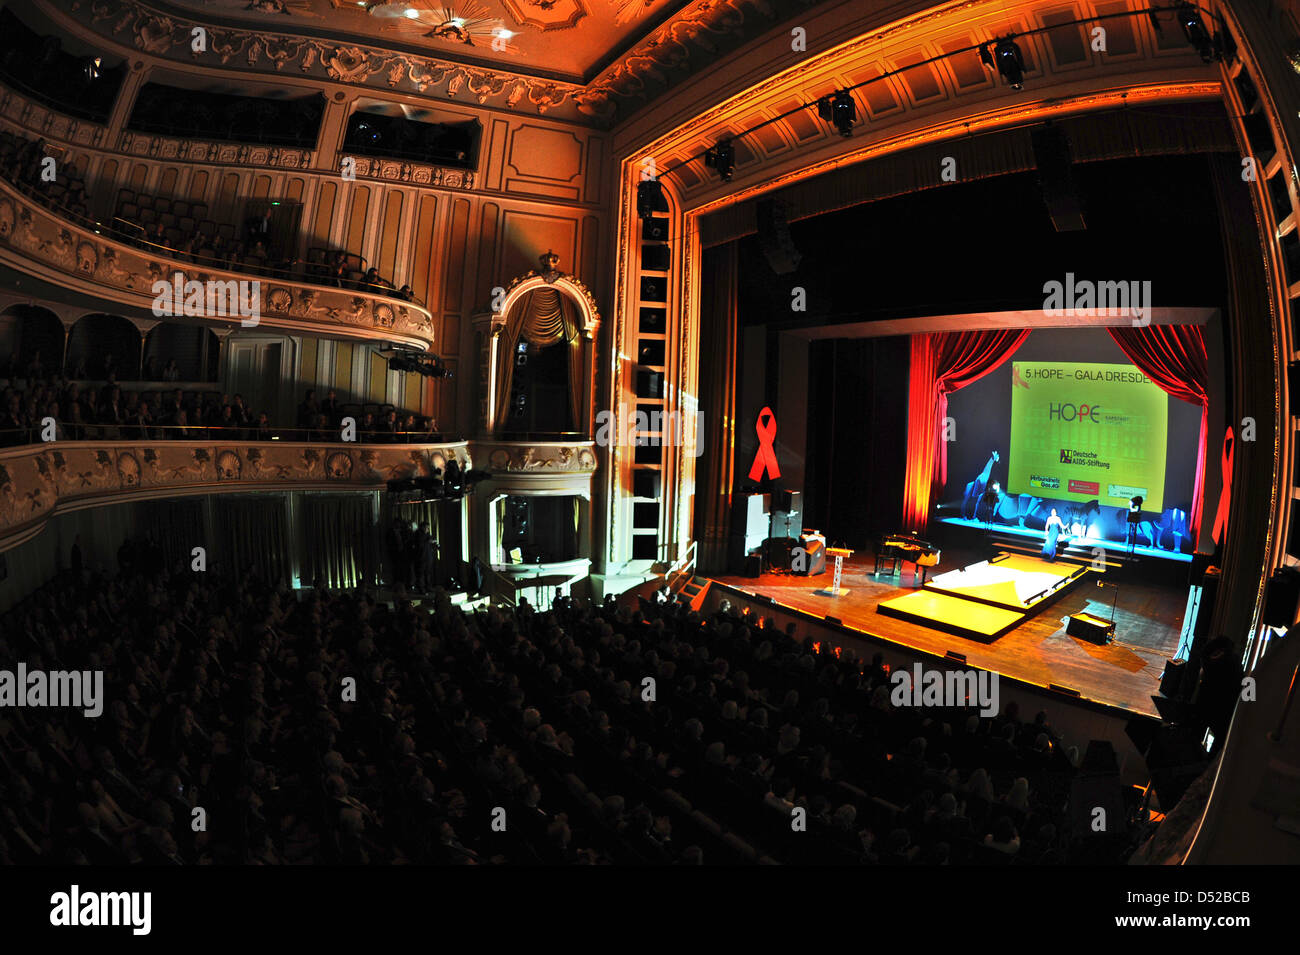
339 540
544 316
252 536
715 432
941 363
1175 358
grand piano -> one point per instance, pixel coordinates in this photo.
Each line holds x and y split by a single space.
895 549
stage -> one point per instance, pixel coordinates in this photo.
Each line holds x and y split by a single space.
1030 646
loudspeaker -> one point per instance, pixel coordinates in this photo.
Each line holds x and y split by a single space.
1090 627
814 558
1171 680
1052 156
1281 595
777 552
646 483
774 237
789 501
753 566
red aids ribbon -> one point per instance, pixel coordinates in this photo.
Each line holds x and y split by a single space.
765 459
1225 493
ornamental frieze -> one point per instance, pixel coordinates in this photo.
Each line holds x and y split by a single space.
37 480
137 25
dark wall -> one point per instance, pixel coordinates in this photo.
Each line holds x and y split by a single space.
857 438
982 414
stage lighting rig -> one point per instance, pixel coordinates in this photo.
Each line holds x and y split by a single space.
840 110
1189 18
722 157
1010 63
429 367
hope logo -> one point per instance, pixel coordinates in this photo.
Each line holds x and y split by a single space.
1069 412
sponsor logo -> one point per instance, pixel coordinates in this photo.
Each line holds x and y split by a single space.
1046 483
1126 491
1084 487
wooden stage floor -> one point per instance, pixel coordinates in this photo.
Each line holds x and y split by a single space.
1123 673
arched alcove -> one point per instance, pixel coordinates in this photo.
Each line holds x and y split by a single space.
31 341
540 358
99 344
194 349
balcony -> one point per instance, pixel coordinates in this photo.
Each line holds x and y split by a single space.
83 256
42 480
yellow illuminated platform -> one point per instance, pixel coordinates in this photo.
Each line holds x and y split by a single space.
958 615
1011 581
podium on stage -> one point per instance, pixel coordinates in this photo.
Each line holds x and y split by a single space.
835 590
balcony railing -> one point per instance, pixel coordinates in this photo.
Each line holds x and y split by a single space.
69 249
41 480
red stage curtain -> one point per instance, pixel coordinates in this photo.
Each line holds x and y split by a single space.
942 362
1174 357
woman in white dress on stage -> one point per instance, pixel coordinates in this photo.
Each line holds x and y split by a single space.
1054 528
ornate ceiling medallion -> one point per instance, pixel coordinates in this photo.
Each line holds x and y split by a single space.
471 25
546 14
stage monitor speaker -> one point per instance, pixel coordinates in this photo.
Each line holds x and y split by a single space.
1052 155
753 566
1090 627
774 237
814 562
778 552
1281 596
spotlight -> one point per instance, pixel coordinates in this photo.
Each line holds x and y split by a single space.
722 157
92 69
986 57
1010 63
650 198
1189 18
841 110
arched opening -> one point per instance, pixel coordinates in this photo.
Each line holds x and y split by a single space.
100 346
174 352
31 342
541 374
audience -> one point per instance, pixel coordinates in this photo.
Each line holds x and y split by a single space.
327 727
82 412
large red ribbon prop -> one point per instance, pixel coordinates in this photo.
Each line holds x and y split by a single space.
1225 493
765 459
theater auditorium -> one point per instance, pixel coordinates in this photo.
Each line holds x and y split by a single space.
676 432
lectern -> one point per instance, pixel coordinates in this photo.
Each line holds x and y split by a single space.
835 590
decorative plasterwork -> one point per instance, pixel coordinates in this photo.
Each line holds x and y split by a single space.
529 457
693 38
149 31
36 241
38 481
549 275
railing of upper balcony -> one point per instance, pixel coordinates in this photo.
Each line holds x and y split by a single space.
70 204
